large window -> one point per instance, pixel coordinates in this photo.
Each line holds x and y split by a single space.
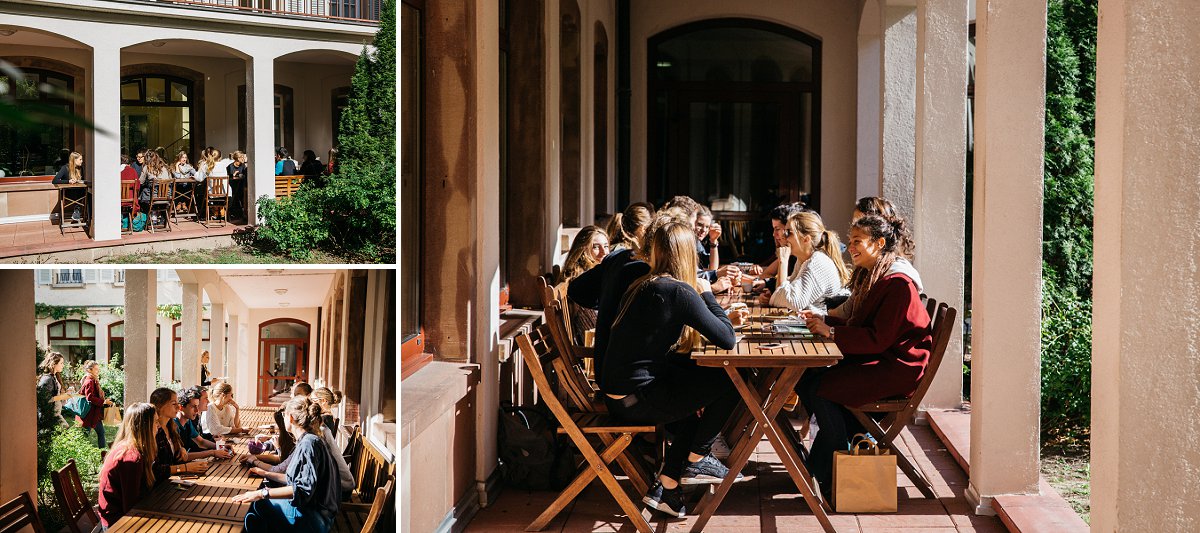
75 339
157 111
36 149
410 183
177 346
284 113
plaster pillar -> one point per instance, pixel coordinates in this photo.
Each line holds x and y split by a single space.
260 128
1146 331
216 332
103 159
141 311
899 106
1010 92
940 184
18 433
189 332
237 348
870 100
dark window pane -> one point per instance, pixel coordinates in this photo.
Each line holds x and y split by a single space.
156 90
131 90
733 54
179 92
410 173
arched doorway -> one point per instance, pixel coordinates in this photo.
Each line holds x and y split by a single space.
734 118
282 359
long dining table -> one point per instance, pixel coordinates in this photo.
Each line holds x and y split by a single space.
765 365
205 506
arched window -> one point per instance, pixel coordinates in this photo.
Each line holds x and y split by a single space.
282 358
177 346
734 115
75 339
157 110
36 149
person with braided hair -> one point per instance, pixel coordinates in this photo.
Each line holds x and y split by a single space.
885 342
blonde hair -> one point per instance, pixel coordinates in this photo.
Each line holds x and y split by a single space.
580 258
211 155
74 161
220 388
154 164
137 433
672 254
326 396
823 240
664 216
625 227
305 413
49 361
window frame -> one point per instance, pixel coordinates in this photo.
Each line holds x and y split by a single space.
40 75
414 352
191 104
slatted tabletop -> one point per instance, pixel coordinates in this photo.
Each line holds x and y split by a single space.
152 523
256 417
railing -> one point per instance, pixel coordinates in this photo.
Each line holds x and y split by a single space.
68 277
343 10
288 185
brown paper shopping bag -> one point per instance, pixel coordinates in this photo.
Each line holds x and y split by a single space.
864 478
112 416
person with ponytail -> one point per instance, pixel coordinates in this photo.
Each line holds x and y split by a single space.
328 399
127 473
648 375
171 456
820 273
626 228
308 501
885 343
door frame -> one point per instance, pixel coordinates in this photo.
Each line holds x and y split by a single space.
265 346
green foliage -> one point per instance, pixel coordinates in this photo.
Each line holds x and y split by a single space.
59 446
353 213
1067 215
171 311
59 312
112 379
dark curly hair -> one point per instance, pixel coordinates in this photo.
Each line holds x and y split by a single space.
881 207
862 279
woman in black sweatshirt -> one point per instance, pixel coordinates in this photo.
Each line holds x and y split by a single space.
649 376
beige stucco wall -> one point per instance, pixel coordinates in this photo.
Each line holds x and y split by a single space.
1146 329
605 12
834 23
18 451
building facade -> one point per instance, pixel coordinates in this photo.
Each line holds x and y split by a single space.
180 76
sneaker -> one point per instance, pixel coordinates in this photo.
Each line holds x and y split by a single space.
707 470
75 215
669 501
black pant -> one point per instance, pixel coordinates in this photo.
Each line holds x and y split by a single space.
835 426
673 400
237 200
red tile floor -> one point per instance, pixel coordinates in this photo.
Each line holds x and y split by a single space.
29 238
767 502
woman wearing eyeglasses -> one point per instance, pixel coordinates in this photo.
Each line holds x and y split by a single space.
587 250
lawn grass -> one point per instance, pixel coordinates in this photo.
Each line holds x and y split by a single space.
1067 467
220 256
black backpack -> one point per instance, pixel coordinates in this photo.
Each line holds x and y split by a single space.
531 454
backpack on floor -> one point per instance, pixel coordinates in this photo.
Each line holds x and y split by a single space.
139 222
531 454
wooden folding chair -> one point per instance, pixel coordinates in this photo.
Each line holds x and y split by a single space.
358 517
898 413
216 199
18 513
536 348
129 205
160 202
68 490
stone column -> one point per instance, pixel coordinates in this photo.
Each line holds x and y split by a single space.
1010 92
216 332
237 350
104 159
189 331
260 124
1146 331
870 99
141 311
899 105
940 187
18 433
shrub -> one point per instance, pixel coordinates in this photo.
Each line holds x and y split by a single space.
112 379
63 444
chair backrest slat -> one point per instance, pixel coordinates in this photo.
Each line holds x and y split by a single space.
383 502
68 490
536 347
18 513
942 319
577 390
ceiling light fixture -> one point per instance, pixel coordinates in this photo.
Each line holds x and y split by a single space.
284 304
281 292
7 32
158 44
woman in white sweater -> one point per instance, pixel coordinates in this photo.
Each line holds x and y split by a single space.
223 416
820 272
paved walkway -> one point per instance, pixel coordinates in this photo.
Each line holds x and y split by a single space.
30 238
767 502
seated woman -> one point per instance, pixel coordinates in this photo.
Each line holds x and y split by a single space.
155 170
171 455
127 475
184 174
881 207
223 416
885 343
648 376
821 272
309 500
323 398
588 249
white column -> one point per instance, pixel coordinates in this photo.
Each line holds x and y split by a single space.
870 100
141 311
260 124
899 105
18 433
216 332
940 188
236 351
103 161
1010 92
1146 335
189 332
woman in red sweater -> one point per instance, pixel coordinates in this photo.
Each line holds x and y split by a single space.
95 396
885 342
127 475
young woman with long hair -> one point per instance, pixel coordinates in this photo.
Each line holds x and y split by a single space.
171 456
820 272
885 342
50 387
223 416
648 376
627 227
95 395
127 473
309 499
72 171
588 249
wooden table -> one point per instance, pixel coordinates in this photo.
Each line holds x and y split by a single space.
780 370
205 507
66 202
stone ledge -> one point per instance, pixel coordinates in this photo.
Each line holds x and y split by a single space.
1020 513
430 392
